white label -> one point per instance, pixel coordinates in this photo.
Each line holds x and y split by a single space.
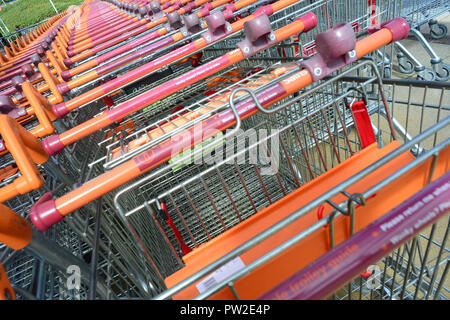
220 274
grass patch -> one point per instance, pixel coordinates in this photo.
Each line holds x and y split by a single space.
23 13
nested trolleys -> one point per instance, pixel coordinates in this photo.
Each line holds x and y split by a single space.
109 271
58 88
39 266
216 19
162 269
41 108
339 141
38 113
209 228
37 118
257 29
162 91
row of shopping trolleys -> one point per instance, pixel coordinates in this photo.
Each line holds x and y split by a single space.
218 149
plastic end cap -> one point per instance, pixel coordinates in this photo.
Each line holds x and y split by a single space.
44 215
63 88
399 28
68 62
309 21
267 10
65 75
52 145
60 110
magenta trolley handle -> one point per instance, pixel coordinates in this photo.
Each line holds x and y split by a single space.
365 247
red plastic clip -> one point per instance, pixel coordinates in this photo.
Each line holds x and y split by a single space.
366 274
320 211
362 123
184 248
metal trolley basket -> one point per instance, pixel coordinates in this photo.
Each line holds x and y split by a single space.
213 199
420 12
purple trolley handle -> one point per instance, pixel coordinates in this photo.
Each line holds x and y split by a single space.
321 278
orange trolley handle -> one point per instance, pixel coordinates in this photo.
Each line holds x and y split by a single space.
6 291
26 151
16 233
41 108
44 214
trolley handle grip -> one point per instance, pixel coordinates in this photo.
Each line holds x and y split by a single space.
41 108
26 151
52 83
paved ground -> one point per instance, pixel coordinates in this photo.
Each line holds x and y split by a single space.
442 46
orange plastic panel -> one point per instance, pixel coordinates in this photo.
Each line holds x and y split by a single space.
284 265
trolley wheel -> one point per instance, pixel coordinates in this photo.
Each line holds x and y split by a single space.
406 66
427 75
444 73
387 72
438 31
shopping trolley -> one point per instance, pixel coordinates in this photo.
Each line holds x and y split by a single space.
166 267
159 234
254 251
53 141
162 58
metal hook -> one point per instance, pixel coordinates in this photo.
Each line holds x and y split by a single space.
360 91
359 199
356 197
